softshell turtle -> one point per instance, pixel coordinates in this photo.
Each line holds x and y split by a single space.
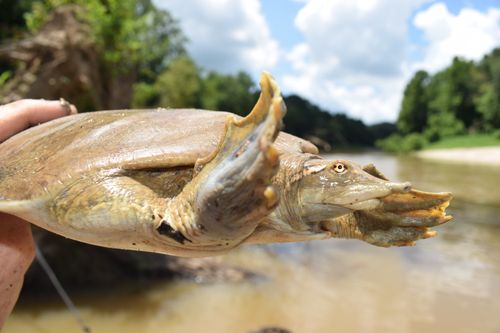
194 182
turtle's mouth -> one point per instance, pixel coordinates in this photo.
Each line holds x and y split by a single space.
371 196
367 204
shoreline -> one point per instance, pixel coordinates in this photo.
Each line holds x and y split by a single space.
477 155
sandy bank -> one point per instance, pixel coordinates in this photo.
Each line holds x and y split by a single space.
480 155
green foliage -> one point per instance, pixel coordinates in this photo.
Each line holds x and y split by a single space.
133 35
462 98
451 100
179 85
4 76
488 101
382 130
414 108
390 144
12 23
442 126
145 95
399 144
464 79
414 141
345 131
182 85
233 93
486 105
467 140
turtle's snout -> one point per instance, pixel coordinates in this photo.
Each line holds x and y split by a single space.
399 187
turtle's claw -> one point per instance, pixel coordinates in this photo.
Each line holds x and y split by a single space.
271 197
429 234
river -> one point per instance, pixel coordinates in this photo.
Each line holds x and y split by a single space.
450 283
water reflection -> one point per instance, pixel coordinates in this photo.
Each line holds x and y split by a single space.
450 283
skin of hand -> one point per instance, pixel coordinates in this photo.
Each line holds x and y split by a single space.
17 248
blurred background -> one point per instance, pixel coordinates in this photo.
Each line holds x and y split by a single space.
412 86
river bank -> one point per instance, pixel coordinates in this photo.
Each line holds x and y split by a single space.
477 155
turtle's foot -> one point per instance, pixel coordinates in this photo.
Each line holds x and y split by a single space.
231 191
402 219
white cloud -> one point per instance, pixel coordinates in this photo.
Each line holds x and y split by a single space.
469 34
353 56
226 35
366 35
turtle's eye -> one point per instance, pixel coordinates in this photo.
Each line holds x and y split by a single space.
339 168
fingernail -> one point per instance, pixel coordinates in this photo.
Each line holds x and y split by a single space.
68 108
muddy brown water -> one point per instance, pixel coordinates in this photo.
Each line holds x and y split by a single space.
450 283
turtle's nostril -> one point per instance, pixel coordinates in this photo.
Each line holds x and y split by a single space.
400 187
406 187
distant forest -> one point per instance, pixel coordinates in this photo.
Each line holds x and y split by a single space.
461 99
139 60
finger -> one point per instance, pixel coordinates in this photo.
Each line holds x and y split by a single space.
17 116
16 255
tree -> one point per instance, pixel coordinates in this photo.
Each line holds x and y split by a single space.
180 84
443 125
449 101
12 22
133 35
233 93
132 39
414 107
301 116
12 25
307 120
488 100
463 76
382 130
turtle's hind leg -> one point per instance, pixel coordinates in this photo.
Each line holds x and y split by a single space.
231 191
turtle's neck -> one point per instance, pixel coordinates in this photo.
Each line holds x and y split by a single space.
286 182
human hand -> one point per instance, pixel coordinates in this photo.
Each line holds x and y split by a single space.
17 248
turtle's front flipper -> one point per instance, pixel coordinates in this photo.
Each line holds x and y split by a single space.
231 191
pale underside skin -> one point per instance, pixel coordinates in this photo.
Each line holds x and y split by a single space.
194 182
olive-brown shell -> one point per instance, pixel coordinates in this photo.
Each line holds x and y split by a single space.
35 161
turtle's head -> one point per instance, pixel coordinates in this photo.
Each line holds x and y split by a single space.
329 189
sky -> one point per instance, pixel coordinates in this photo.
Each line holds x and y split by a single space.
352 56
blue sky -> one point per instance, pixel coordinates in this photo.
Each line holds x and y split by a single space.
346 56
